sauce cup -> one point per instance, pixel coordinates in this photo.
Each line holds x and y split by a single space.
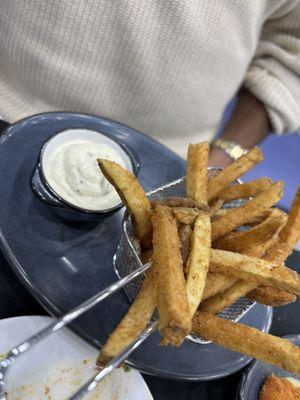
45 192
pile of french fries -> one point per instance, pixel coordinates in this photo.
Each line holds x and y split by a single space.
202 262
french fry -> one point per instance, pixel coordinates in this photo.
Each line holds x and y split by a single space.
233 171
180 202
215 206
239 216
198 261
288 238
215 283
185 215
247 340
222 300
184 233
271 212
290 234
245 190
255 270
278 252
255 220
254 241
196 176
271 297
133 323
133 196
239 288
172 303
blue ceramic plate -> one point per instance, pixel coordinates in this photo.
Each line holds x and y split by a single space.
253 378
63 264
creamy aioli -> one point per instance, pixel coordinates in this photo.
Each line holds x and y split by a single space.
73 173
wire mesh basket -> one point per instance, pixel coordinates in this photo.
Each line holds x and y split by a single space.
127 260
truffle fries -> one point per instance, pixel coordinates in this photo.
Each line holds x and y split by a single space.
233 171
245 190
242 263
247 340
255 270
254 241
239 216
174 320
276 251
196 176
133 323
183 202
215 283
198 261
133 196
286 241
185 234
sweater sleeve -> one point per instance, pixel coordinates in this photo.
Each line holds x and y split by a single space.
274 73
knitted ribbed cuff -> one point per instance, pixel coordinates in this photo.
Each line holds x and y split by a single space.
280 105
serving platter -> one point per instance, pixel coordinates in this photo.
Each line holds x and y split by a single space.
63 264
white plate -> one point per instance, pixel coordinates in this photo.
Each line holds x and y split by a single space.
56 367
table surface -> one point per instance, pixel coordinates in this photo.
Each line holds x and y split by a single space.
16 301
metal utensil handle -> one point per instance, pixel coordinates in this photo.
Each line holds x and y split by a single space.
89 386
15 352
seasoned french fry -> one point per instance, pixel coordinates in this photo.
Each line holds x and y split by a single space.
133 323
239 216
245 190
215 283
271 296
185 215
239 288
184 233
271 212
215 207
278 252
247 340
196 176
233 172
180 202
222 300
254 241
255 220
133 196
172 303
288 238
290 234
254 270
219 213
198 261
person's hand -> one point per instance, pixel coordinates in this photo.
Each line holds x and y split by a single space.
247 126
218 158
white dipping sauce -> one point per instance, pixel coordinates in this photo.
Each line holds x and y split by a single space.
73 173
294 381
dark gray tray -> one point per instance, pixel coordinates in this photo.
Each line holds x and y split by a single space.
63 264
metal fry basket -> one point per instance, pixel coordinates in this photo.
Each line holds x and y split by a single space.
127 260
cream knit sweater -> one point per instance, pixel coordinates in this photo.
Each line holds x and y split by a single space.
165 67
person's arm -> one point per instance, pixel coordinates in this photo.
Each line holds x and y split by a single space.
272 83
247 126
